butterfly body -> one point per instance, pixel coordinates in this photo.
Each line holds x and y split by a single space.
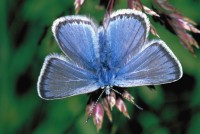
115 54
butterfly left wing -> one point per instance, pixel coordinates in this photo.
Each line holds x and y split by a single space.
60 78
155 64
77 38
76 73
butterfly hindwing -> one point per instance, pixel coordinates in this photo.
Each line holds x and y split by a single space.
155 64
59 78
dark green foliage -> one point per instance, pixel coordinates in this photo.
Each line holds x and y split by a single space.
25 40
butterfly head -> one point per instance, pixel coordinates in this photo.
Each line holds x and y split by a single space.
106 89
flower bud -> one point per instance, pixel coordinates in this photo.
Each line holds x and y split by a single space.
122 107
98 116
150 11
111 99
107 109
89 109
128 96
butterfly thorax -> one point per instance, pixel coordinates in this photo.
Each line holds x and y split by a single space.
106 76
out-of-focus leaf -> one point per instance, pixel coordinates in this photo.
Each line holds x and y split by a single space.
28 20
154 98
152 122
194 124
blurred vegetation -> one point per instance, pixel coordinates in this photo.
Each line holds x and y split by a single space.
25 40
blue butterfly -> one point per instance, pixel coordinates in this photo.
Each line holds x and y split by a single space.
98 58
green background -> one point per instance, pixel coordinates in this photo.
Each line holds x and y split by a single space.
25 40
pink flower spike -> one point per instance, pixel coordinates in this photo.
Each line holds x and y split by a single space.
165 5
135 4
150 11
122 107
128 96
111 99
188 26
107 109
179 16
89 110
77 4
98 115
153 31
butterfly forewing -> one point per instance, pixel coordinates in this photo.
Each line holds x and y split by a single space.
77 37
126 34
60 78
155 64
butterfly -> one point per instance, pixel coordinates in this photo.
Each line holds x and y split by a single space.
118 53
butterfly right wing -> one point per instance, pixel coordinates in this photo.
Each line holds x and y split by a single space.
125 32
134 60
59 78
154 65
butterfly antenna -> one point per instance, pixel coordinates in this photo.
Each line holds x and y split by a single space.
130 100
91 111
